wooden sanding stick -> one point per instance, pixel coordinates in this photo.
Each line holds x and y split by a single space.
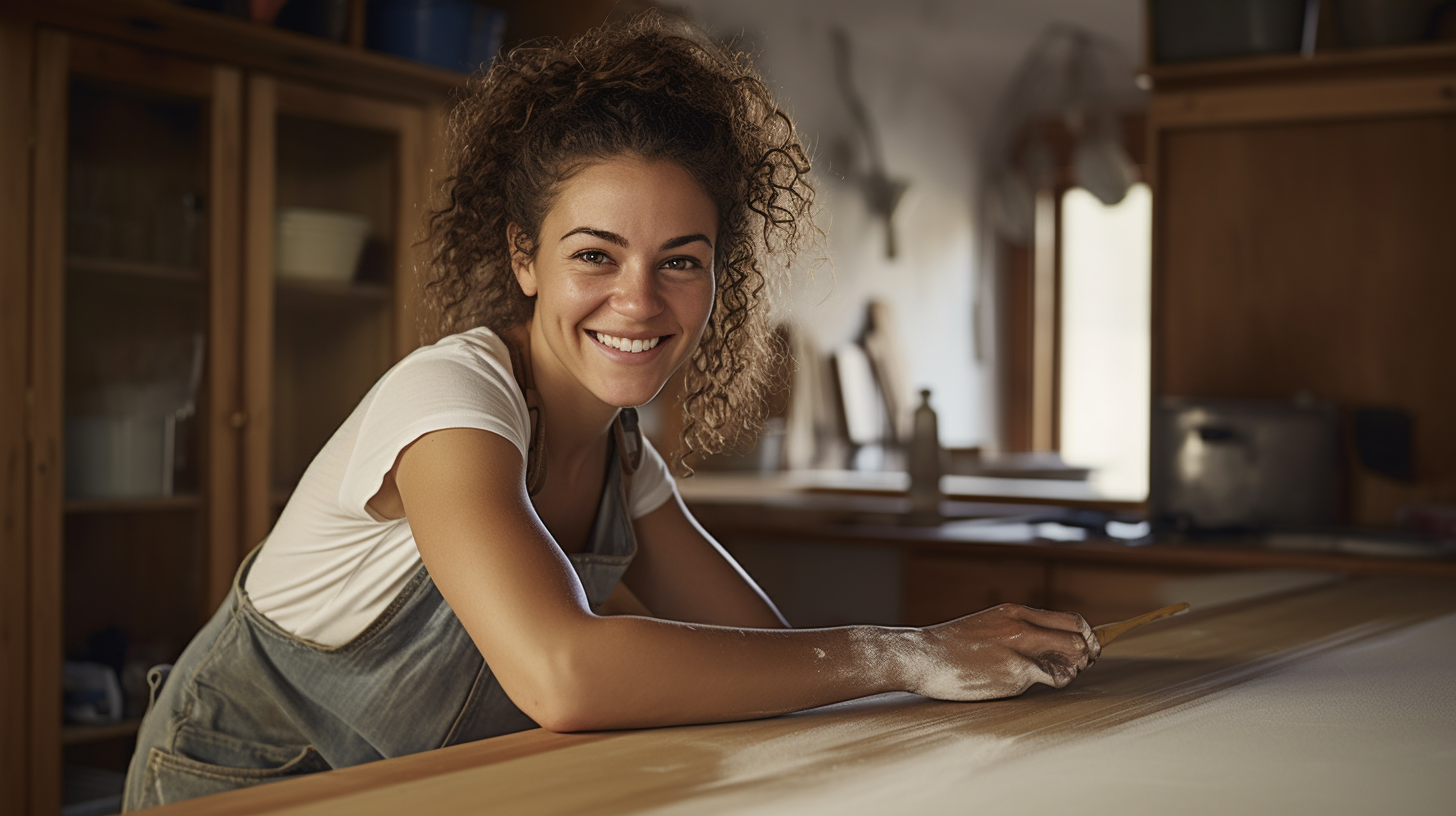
1108 632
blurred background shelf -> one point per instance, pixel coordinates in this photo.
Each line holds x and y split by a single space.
141 504
136 269
80 734
318 294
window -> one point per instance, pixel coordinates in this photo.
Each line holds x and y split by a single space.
1076 327
1105 338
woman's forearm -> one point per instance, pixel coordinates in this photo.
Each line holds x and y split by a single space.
631 672
627 672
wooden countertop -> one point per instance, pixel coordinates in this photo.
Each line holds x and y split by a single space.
822 507
1327 700
862 484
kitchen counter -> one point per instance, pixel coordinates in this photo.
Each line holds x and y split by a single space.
863 483
991 549
1327 700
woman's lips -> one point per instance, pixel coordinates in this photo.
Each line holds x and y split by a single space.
626 344
620 348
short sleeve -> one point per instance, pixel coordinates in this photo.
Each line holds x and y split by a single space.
462 382
652 484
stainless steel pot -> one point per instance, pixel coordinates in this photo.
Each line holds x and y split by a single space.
1245 464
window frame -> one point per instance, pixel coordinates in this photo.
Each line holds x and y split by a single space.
1030 296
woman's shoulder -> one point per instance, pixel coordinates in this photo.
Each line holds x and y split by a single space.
480 342
478 354
462 381
461 375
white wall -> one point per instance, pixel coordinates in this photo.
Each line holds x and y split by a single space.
930 74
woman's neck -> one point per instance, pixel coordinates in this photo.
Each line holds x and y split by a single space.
577 423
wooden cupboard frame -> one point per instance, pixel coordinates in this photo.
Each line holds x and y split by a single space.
16 89
41 48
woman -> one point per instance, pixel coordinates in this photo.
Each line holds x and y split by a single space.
488 543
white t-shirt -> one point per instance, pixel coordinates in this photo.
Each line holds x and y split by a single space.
331 566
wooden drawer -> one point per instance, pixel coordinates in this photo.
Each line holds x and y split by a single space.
939 587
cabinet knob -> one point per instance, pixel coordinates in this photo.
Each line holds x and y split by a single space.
238 419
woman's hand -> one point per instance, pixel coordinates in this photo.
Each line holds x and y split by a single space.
1000 652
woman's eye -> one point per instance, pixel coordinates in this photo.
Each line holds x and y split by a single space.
682 264
593 256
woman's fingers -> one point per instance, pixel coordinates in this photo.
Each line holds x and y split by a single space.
1065 621
1060 649
1056 646
1003 651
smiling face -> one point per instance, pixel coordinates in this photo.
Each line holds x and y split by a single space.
623 280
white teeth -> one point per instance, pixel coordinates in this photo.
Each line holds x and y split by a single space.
622 344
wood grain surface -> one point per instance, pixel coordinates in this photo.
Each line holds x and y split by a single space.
1204 673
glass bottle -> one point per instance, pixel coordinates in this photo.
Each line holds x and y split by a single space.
924 463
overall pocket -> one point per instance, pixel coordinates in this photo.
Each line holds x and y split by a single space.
172 777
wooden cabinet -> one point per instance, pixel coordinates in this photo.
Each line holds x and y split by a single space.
161 387
941 586
1302 243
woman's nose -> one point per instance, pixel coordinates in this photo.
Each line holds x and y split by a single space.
637 295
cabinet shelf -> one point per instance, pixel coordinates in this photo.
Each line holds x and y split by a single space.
138 504
138 269
1359 63
323 293
212 36
79 734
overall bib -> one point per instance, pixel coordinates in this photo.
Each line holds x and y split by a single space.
248 702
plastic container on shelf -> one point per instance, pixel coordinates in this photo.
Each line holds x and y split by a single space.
127 447
458 35
91 694
1191 30
319 245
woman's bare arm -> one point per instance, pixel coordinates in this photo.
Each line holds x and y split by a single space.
682 574
568 669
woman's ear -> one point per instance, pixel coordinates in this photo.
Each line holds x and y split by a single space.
523 265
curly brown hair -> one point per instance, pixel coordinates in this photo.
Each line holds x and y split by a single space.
656 88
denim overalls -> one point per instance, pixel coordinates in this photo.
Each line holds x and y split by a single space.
249 703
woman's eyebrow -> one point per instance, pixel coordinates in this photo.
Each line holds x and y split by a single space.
598 233
687 239
606 235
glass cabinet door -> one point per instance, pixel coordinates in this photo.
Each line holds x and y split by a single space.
331 224
132 279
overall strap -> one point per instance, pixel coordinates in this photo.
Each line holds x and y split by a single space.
627 434
628 431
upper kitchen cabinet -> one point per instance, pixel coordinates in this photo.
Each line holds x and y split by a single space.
332 220
210 230
1302 244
